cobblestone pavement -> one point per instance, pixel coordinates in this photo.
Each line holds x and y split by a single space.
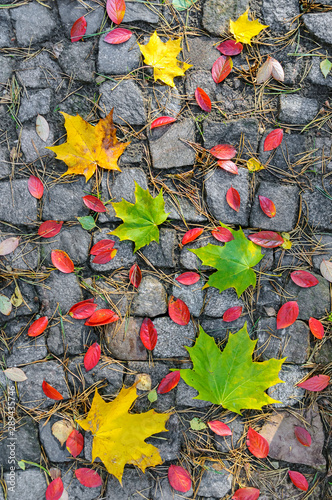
42 72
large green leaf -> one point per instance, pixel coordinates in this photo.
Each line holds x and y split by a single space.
231 378
233 262
140 220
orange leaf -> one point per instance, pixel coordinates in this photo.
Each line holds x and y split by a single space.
50 392
148 334
188 278
246 494
92 356
229 166
191 235
316 383
203 100
78 29
223 151
54 489
94 203
232 314
222 234
135 275
257 444
49 228
178 311
118 35
221 68
62 261
273 140
287 314
230 48
162 120
219 428
266 239
88 477
267 206
233 199
116 10
83 309
302 435
102 317
304 279
298 480
316 328
179 478
169 382
38 327
75 443
35 187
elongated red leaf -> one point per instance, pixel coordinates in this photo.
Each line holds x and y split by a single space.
266 239
102 317
38 327
298 480
83 309
304 279
219 428
88 477
116 10
273 139
316 383
92 356
191 235
179 478
169 382
62 261
287 314
178 311
102 246
78 29
8 245
54 489
267 206
161 121
229 166
118 35
222 234
233 199
223 151
35 187
148 334
302 435
188 278
221 68
246 494
316 328
257 444
94 203
230 48
49 228
135 275
50 392
232 314
105 256
75 443
203 100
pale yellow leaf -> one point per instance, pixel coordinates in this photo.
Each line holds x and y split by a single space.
61 430
143 382
42 128
16 299
244 30
15 374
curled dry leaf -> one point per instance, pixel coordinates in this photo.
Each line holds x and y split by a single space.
78 29
54 489
229 166
304 279
50 392
135 275
221 68
38 327
223 151
169 382
266 239
75 443
257 444
117 36
42 129
83 309
326 270
143 382
232 314
15 374
92 356
287 314
188 278
116 10
264 72
203 100
222 234
161 121
230 48
62 261
219 428
191 235
94 203
233 199
148 334
273 139
302 435
316 328
35 187
49 228
277 71
8 245
179 478
61 430
267 206
178 311
102 317
5 305
298 480
316 383
246 494
88 477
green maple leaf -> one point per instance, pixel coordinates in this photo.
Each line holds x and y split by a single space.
233 262
140 220
231 378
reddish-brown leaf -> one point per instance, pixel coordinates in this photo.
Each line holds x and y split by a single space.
304 279
273 139
178 311
221 68
135 275
266 239
148 334
219 428
105 256
191 235
116 10
92 356
94 203
302 435
233 199
161 121
316 383
75 443
38 327
316 328
102 246
179 478
118 35
287 314
88 477
189 278
8 245
78 29
83 309
298 480
49 228
246 494
257 444
54 489
229 166
62 261
223 151
50 392
169 382
232 314
35 187
230 48
222 234
203 100
102 317
267 206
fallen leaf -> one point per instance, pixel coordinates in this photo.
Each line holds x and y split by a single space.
5 305
54 489
181 5
179 478
257 444
232 314
8 245
277 71
102 246
169 382
116 10
135 275
38 327
49 228
153 396
254 165
43 130
62 261
102 317
88 477
78 29
196 424
316 328
191 235
92 356
229 166
118 35
233 199
83 309
203 100
325 67
87 222
264 72
50 392
326 270
221 68
75 443
244 30
267 206
35 187
287 314
105 256
15 374
273 139
143 382
188 278
222 234
219 428
94 203
16 299
148 334
298 480
61 430
302 435
230 48
161 121
246 494
178 311
315 384
266 239
304 279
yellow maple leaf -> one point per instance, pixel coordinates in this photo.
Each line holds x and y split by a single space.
119 436
244 30
254 165
88 146
162 57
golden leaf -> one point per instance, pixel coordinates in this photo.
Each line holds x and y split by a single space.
119 436
61 430
254 165
89 146
244 30
287 244
162 57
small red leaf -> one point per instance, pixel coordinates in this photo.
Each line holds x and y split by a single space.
232 314
35 187
169 382
304 279
257 444
219 428
302 435
221 68
148 334
189 278
49 228
54 489
223 151
102 317
161 121
266 239
62 261
267 206
135 275
230 48
316 383
203 100
229 166
116 10
78 29
287 314
298 480
75 443
233 199
50 392
92 356
191 235
273 139
178 311
246 494
179 478
118 35
94 203
88 477
105 256
102 246
316 328
38 327
222 234
83 309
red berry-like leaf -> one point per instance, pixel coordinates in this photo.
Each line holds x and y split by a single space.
178 311
94 203
188 278
232 314
102 246
148 334
49 228
50 392
38 327
222 234
88 477
35 187
179 478
316 383
298 480
169 382
266 239
304 279
116 10
316 328
75 443
105 256
54 489
267 206
62 261
246 494
102 317
257 444
229 166
302 435
78 29
287 314
230 48
219 428
117 36
92 356
161 121
273 139
203 100
83 309
223 151
221 68
233 199
135 275
191 235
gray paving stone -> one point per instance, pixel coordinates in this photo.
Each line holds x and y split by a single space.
5 165
312 302
74 240
6 31
136 11
127 101
296 109
17 206
25 349
288 393
133 153
213 484
322 154
323 250
31 481
315 75
34 23
151 299
135 485
180 207
79 379
226 443
216 15
319 24
202 52
118 59
268 296
234 101
123 340
192 295
162 490
73 341
324 354
32 145
110 296
52 446
64 200
312 202
76 60
162 254
189 260
6 68
39 72
219 329
124 257
36 102
26 441
24 257
59 291
165 101
290 152
217 303
279 13
231 132
172 338
70 11
168 443
204 80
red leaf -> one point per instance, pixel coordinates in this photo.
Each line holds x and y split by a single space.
257 444
304 279
88 477
179 478
188 278
38 327
246 494
35 187
230 48
102 246
232 314
273 139
50 392
223 151
203 100
302 435
62 261
102 317
169 382
287 314
116 10
118 35
148 334
78 29
316 328
54 489
191 235
266 239
83 309
298 480
162 120
75 443
221 68
222 234
316 383
105 256
94 203
229 166
267 206
233 199
92 356
219 428
178 311
49 228
135 275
